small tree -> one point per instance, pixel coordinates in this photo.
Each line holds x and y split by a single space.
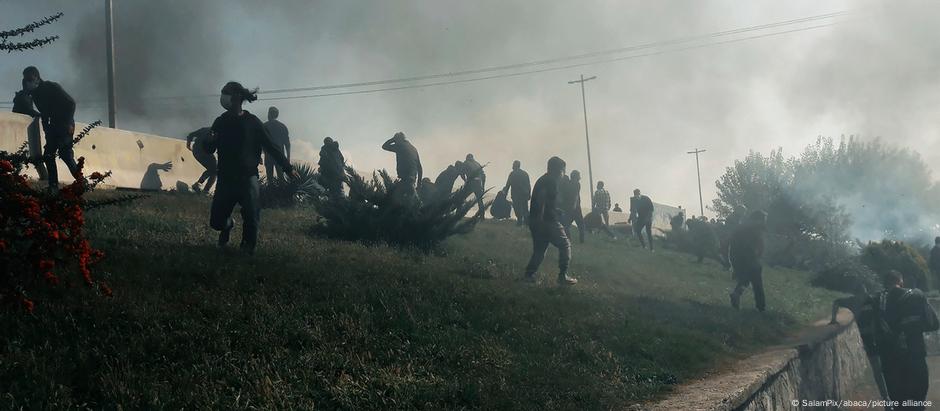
887 255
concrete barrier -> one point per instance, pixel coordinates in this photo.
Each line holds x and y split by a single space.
826 365
129 155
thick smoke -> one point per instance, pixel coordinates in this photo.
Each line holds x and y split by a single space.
162 48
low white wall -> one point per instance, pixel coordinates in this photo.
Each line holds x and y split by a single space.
116 150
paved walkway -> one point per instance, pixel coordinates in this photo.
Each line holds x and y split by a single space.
869 390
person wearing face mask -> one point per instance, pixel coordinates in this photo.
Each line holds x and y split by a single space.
239 137
23 104
57 115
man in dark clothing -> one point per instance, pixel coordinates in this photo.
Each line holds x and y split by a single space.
520 189
935 260
545 226
864 308
641 216
569 190
617 208
745 252
703 237
280 138
239 137
904 316
57 111
23 104
196 142
407 162
444 184
332 167
427 191
473 175
501 208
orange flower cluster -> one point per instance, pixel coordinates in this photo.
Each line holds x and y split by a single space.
42 236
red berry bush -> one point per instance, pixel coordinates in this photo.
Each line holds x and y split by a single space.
42 241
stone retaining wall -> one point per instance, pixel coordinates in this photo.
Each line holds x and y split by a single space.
826 366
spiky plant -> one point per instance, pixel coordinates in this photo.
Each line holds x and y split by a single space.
382 210
281 192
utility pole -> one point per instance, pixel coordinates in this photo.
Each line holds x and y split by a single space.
698 171
586 138
109 24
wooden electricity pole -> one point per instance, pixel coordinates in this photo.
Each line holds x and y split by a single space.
587 139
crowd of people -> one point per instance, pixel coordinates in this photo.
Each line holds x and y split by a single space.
892 322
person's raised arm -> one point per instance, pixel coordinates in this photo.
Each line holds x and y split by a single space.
390 145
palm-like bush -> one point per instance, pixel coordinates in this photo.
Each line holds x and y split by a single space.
281 192
382 210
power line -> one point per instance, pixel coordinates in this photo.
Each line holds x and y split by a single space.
567 58
521 73
535 63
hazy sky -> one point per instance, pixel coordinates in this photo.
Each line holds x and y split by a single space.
874 74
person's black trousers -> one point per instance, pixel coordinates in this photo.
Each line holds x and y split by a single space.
244 192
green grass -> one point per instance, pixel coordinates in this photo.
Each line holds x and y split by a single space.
313 323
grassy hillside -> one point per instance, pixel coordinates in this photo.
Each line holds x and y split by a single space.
310 323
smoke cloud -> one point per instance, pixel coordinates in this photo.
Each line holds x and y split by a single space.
870 75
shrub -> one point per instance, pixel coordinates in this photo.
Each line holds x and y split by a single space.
381 210
280 192
847 275
887 255
41 235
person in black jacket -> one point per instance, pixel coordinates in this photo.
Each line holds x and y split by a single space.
239 137
473 175
23 104
520 189
545 226
332 167
569 190
57 113
745 252
196 142
641 216
407 162
904 316
444 184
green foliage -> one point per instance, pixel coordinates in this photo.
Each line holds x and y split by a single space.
312 323
887 255
288 192
835 192
700 239
804 230
382 210
847 275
